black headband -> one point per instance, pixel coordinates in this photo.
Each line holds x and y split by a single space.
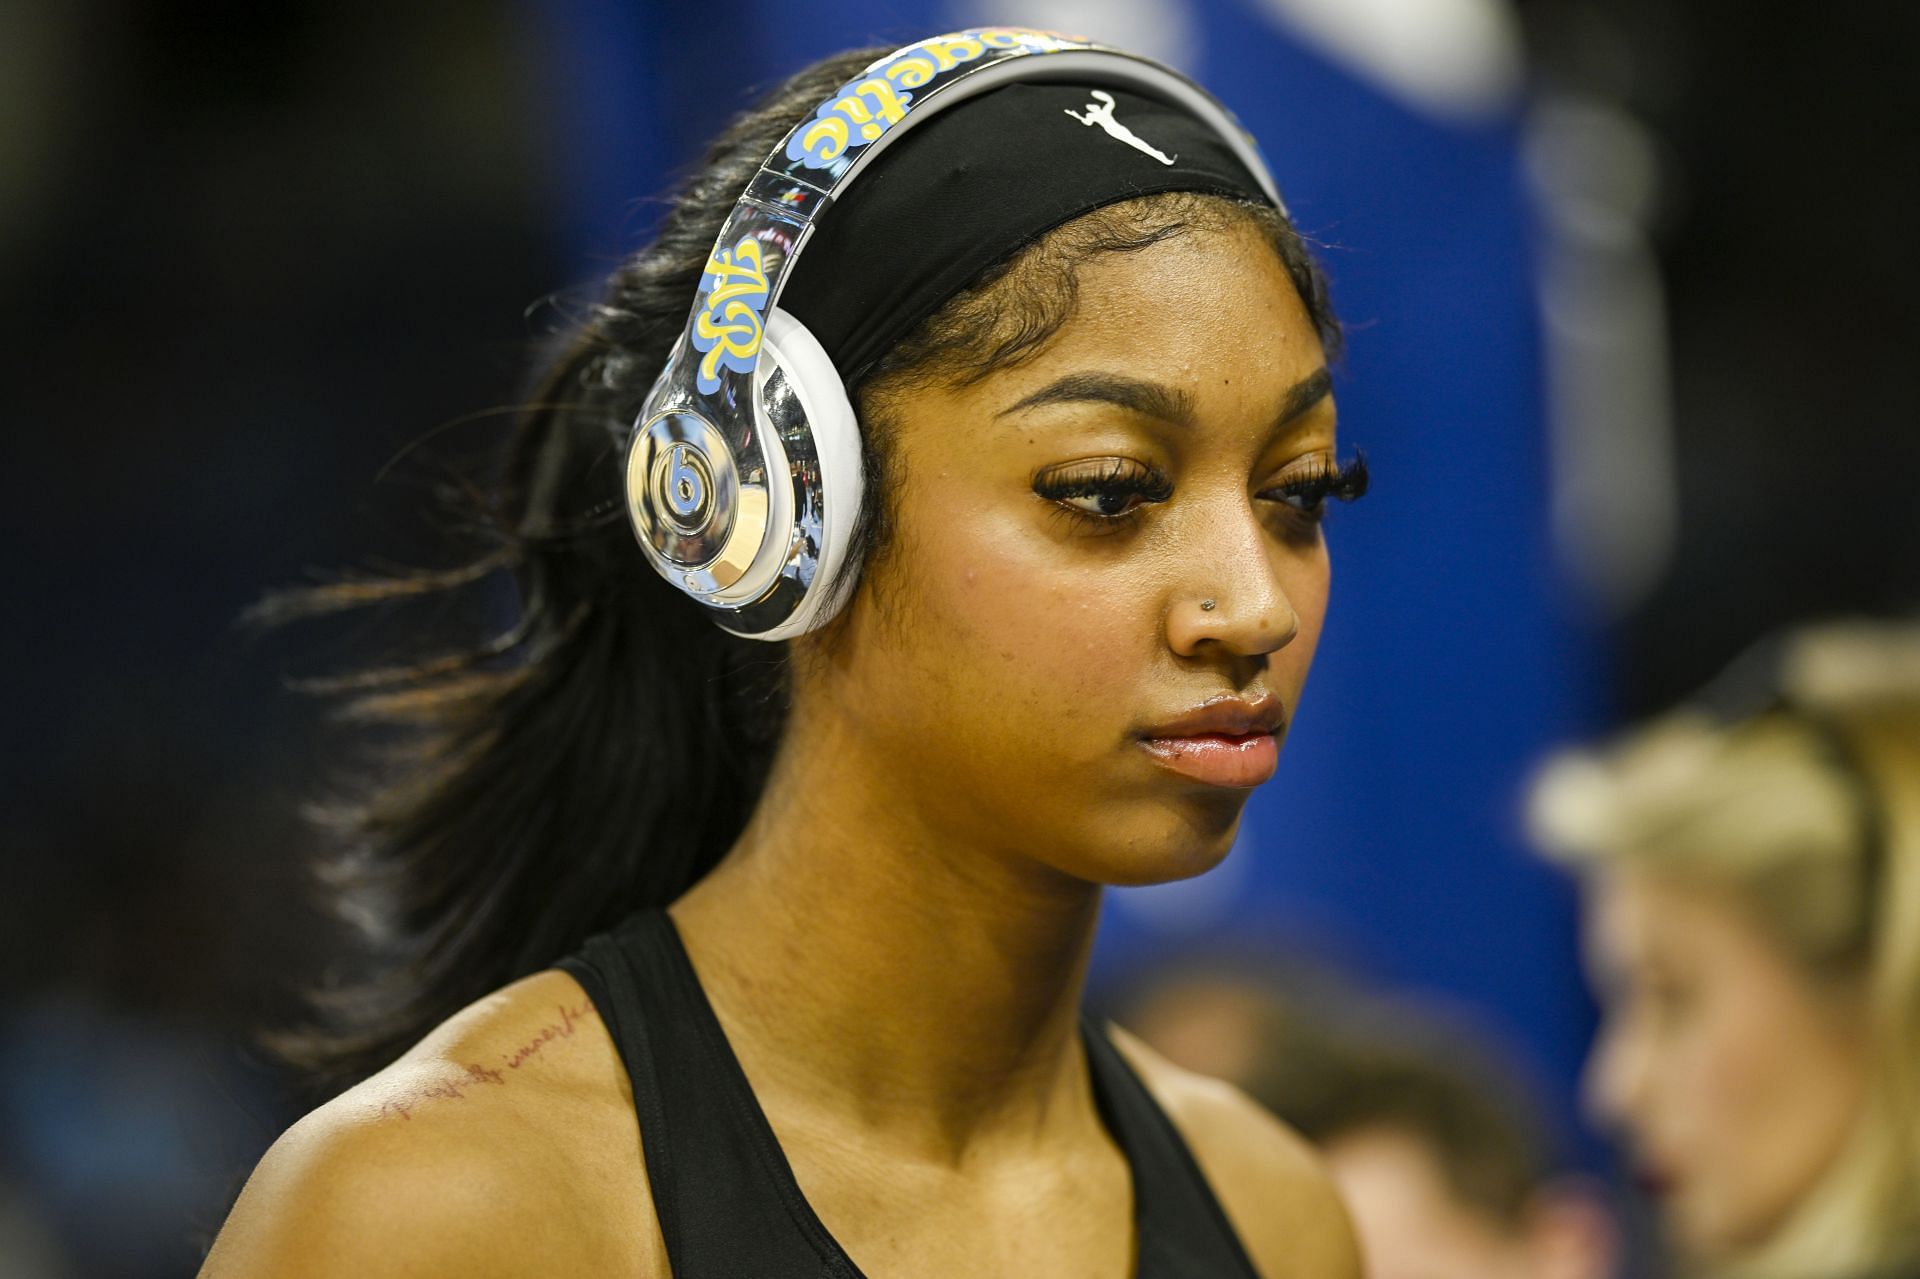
970 186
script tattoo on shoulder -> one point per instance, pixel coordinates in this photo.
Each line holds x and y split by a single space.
463 1080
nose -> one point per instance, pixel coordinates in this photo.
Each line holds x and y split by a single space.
1229 591
1616 1077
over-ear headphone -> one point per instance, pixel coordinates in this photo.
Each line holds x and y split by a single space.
744 479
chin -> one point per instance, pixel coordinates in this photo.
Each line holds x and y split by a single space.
1706 1236
1163 845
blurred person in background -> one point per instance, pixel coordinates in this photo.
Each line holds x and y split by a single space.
1752 885
1444 1164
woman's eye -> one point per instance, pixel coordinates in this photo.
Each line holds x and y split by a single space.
1109 505
1107 490
1669 998
1308 491
1659 1000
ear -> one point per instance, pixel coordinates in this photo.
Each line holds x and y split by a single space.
1570 1230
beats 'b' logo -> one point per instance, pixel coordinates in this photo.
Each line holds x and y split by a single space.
683 487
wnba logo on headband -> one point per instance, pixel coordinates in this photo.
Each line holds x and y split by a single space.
1100 112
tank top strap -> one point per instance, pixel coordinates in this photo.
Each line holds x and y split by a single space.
722 1191
1181 1227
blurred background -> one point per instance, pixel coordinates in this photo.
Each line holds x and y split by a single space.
1629 294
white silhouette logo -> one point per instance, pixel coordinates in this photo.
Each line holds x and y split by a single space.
1100 112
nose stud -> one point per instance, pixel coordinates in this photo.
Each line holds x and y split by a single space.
1206 606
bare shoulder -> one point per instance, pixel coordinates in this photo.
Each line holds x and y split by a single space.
504 1143
1270 1181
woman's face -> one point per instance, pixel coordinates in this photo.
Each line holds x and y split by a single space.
1032 659
1735 1077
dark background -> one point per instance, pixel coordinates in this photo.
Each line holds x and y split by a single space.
249 252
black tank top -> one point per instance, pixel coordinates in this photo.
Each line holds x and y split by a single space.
727 1201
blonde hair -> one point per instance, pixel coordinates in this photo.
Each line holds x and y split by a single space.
1808 812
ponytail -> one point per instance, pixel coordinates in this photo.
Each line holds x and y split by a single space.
600 754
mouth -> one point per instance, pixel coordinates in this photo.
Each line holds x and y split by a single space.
1227 741
1653 1182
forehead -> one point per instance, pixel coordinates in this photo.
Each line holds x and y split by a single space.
1210 312
1625 907
1639 914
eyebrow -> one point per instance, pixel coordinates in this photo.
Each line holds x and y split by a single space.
1149 399
1156 400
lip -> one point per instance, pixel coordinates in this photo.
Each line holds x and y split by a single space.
1226 741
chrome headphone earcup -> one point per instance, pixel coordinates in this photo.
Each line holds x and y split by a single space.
801 410
756 525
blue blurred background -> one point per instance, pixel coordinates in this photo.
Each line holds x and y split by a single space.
1629 294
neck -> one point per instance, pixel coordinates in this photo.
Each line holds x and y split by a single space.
886 972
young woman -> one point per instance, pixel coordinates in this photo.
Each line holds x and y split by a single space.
756 948
1753 885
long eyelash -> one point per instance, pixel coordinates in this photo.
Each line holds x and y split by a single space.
1345 483
1114 476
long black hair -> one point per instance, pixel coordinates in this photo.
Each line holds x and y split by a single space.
604 750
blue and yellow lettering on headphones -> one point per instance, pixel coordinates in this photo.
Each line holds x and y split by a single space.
861 112
866 108
728 328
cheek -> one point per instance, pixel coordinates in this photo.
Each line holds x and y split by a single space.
1026 630
1721 1072
1308 581
1749 1117
1711 1079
